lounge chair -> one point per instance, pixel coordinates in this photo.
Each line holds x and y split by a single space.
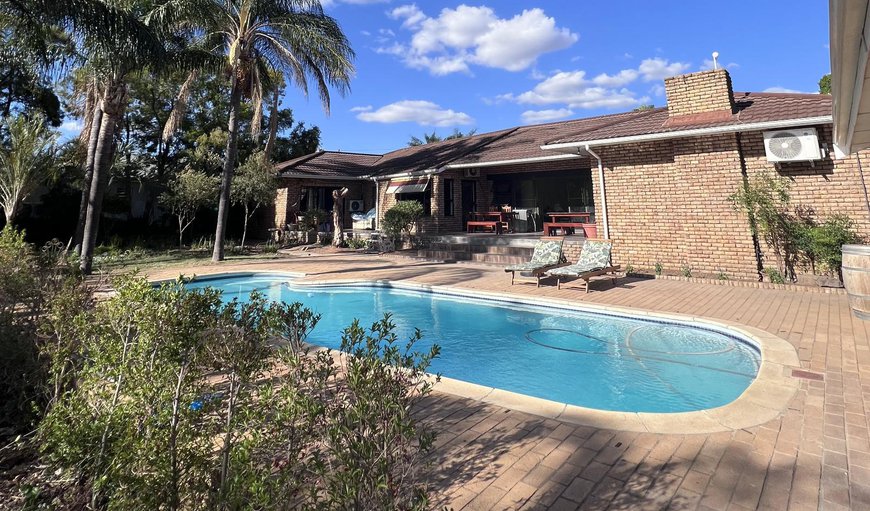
547 255
594 261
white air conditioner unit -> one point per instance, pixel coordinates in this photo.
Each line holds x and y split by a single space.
355 206
799 144
472 173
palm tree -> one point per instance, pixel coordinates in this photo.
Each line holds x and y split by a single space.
257 38
27 160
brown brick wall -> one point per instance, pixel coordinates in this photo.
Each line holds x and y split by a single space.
290 191
706 91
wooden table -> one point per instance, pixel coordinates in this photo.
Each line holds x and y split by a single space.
567 222
499 221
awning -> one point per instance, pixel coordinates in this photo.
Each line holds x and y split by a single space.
408 185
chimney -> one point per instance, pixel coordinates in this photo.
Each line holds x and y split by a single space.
700 93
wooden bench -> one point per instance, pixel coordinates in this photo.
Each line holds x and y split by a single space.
495 226
566 227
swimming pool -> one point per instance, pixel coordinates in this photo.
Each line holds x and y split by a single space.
588 359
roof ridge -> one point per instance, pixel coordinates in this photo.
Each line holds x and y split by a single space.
349 152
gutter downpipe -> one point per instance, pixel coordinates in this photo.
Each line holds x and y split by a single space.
603 193
377 202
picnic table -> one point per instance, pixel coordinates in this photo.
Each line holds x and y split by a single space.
496 221
566 221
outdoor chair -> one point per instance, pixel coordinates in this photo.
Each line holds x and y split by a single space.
594 260
547 255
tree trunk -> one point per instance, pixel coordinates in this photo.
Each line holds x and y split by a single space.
88 177
245 228
337 214
273 125
229 167
9 212
113 104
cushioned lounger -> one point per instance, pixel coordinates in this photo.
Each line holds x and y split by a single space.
547 255
594 261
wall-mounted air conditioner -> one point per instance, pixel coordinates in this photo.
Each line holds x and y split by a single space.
798 144
355 206
472 173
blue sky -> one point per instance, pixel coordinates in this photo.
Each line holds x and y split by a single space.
440 65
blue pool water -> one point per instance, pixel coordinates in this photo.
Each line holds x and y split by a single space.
588 359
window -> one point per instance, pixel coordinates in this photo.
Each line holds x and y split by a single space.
448 197
424 198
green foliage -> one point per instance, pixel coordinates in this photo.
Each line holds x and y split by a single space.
686 270
722 275
825 84
644 107
629 268
765 199
402 218
827 239
172 407
658 268
28 159
355 243
188 193
774 275
792 234
33 287
254 185
311 219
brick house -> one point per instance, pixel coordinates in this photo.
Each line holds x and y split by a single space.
666 173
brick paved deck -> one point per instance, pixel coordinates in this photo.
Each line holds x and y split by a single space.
815 456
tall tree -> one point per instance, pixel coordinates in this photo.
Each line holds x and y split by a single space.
259 37
27 160
825 84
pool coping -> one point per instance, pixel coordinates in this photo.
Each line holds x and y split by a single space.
765 399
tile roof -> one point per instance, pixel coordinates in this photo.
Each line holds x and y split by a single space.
526 141
750 107
330 164
435 155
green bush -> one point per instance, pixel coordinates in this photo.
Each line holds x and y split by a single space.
311 219
32 285
402 218
183 401
825 242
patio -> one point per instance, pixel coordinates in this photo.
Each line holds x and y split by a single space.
815 456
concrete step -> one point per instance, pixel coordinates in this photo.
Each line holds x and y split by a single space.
444 255
498 259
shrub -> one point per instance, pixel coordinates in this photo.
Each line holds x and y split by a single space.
182 401
686 271
355 243
826 242
774 275
33 285
311 219
402 218
658 268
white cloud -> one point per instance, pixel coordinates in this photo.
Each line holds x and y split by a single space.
783 89
367 108
621 78
572 89
466 35
424 113
538 116
708 65
658 68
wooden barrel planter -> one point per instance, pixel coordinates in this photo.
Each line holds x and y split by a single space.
856 278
